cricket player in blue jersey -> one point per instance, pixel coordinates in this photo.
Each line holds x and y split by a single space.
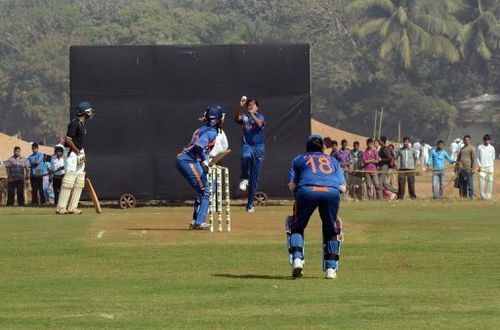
193 163
317 181
252 146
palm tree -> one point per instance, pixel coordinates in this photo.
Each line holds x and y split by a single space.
403 24
481 35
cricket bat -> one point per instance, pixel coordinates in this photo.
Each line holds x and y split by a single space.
93 195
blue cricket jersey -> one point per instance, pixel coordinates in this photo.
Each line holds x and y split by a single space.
253 134
316 169
202 143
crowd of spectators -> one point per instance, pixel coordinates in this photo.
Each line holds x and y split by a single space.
43 173
370 173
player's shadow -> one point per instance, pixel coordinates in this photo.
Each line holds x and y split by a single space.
254 276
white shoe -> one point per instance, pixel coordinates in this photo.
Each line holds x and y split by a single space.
75 211
250 210
203 226
244 184
61 211
330 274
297 267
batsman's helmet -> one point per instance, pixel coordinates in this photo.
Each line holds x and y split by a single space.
314 143
214 115
84 108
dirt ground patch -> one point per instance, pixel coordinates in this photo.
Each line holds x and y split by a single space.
170 225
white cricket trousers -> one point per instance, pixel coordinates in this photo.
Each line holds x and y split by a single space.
486 182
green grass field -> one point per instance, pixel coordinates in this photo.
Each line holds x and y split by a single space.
419 264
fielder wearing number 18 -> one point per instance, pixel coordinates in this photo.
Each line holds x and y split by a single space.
316 180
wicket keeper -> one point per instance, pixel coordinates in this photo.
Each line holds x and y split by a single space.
316 180
73 181
252 146
193 163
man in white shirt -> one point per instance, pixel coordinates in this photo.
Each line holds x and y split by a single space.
417 147
486 162
426 151
57 170
454 149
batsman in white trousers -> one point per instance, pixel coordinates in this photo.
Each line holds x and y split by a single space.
74 162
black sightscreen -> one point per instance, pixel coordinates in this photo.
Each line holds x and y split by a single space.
147 100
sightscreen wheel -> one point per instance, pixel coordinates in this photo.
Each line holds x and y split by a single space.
260 198
127 201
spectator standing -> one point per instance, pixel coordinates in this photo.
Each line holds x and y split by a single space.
417 147
335 147
467 162
426 152
455 149
436 161
343 156
386 160
327 142
486 163
36 167
393 165
408 162
356 177
17 171
47 179
394 156
57 170
370 161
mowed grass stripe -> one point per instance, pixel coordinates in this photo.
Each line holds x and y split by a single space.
411 265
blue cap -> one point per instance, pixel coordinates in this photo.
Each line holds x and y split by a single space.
314 143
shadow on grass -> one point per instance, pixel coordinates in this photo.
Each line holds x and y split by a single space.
257 277
157 229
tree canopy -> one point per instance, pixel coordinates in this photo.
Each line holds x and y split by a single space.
413 57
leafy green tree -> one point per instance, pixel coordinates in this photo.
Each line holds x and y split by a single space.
403 24
34 66
154 23
480 35
419 41
421 115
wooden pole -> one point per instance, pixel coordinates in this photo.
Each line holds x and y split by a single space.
375 125
380 122
399 133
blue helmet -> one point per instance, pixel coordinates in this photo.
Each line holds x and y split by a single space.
84 108
214 115
315 143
